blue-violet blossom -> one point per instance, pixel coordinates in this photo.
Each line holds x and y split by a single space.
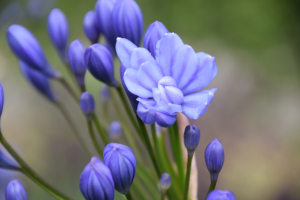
220 195
115 130
6 163
15 191
191 138
87 105
214 158
90 27
165 182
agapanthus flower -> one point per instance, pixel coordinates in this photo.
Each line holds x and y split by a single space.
170 82
221 195
7 163
15 191
90 27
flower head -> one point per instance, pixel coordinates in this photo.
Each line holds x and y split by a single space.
165 182
58 31
15 191
104 93
214 158
87 105
26 47
115 130
170 82
90 27
121 161
76 61
221 195
191 138
96 181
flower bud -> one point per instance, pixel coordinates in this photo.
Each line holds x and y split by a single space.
1 100
128 20
38 80
214 158
191 138
99 62
90 28
76 61
58 31
96 181
26 47
87 105
153 34
121 161
221 195
165 182
7 163
104 93
15 191
115 130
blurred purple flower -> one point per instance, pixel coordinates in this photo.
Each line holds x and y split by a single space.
104 93
15 191
165 182
191 138
214 158
39 9
220 195
12 13
87 105
90 28
115 130
169 83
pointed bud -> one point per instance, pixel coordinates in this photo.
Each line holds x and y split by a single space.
104 93
165 182
153 34
96 181
76 61
90 28
26 47
87 105
191 138
128 21
214 159
220 195
121 161
15 191
38 80
99 62
58 31
115 130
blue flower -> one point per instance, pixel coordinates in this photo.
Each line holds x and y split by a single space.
191 138
104 93
15 191
26 47
6 163
127 19
121 161
38 80
99 62
220 195
87 105
58 31
170 82
214 158
115 130
76 61
165 182
90 28
96 181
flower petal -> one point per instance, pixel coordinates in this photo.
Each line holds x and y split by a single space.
139 56
149 74
134 86
167 46
195 105
164 120
145 111
124 50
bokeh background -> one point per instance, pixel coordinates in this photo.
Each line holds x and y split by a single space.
255 113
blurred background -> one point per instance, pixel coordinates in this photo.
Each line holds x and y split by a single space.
255 113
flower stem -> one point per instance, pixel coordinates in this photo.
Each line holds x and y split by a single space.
100 129
163 196
93 138
67 66
211 187
128 196
187 177
30 173
154 138
69 88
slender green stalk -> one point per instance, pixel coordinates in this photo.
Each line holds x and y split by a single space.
128 196
73 128
163 196
100 129
30 173
69 88
211 187
152 187
154 138
70 73
138 190
187 177
93 138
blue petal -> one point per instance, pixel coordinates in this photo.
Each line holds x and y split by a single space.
164 120
139 56
195 105
124 50
167 47
149 74
174 94
145 110
185 63
170 108
134 86
207 70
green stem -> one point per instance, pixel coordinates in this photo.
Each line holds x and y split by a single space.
73 128
211 187
154 138
163 196
30 173
68 87
100 130
128 196
93 138
187 177
67 66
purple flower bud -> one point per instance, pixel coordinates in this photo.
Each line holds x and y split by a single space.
165 182
104 94
128 20
87 105
221 195
115 130
1 100
99 62
96 181
121 161
38 80
15 191
26 47
90 27
153 34
58 31
76 61
191 138
214 158
7 163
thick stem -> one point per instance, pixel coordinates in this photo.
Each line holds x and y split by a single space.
100 129
163 196
93 138
30 173
187 177
211 187
128 196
